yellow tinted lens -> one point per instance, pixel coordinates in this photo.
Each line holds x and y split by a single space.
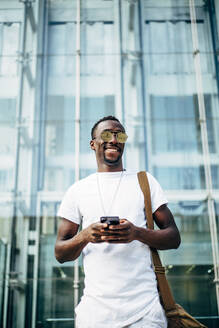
122 137
106 136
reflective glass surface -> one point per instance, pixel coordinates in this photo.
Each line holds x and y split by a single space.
136 60
9 48
190 266
190 217
58 166
176 150
98 74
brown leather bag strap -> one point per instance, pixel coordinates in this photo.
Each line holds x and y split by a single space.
163 286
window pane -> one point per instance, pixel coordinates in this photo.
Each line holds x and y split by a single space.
99 62
56 293
60 112
191 266
173 127
9 45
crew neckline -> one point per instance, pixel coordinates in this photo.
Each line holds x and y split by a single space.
111 174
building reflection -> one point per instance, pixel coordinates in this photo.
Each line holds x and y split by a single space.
154 65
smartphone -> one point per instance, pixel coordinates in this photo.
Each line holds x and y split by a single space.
110 220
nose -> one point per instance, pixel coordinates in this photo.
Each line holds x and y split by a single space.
114 138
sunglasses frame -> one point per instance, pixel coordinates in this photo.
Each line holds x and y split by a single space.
114 133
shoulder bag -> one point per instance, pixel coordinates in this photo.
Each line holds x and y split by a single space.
177 317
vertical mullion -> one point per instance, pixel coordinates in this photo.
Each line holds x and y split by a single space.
43 93
119 62
77 95
40 107
77 133
143 85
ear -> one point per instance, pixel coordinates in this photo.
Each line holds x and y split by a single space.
92 146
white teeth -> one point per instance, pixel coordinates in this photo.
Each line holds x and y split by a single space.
112 149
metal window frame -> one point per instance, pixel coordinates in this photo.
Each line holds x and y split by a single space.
77 132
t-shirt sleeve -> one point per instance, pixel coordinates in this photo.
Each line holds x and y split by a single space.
158 197
69 208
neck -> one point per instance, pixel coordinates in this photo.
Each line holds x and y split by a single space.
107 168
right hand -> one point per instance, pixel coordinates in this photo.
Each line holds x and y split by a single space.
94 232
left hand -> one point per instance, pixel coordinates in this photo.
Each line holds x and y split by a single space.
124 232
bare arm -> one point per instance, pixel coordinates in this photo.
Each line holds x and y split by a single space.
167 237
70 243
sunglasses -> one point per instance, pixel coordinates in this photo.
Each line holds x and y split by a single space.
107 136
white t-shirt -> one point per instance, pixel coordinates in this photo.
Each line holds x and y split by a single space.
120 284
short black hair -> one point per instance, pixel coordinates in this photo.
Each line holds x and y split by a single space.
105 118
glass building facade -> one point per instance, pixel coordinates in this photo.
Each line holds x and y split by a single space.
63 65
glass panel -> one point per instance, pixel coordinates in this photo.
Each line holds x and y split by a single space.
5 219
194 289
175 148
175 130
136 64
212 111
99 66
60 115
133 84
192 220
55 299
59 143
7 142
183 133
9 45
192 265
173 127
9 89
56 293
62 58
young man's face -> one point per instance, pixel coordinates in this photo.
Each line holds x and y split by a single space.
108 153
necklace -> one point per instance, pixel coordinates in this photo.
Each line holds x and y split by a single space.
114 195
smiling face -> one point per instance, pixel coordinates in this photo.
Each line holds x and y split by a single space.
108 154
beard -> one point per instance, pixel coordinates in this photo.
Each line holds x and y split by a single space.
112 162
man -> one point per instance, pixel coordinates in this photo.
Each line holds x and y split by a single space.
120 284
